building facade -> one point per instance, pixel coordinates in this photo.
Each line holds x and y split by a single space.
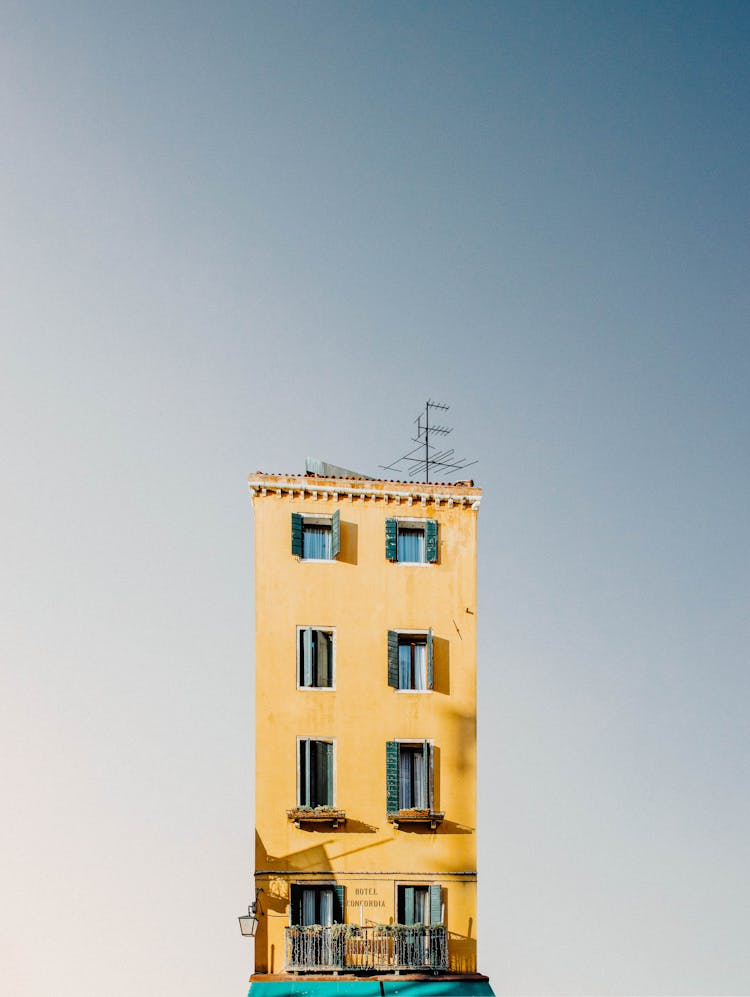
365 732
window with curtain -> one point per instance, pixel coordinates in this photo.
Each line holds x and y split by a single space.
316 537
413 777
321 904
411 544
315 773
316 542
412 541
315 658
412 662
413 905
317 905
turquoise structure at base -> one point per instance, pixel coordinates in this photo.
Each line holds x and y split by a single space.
371 988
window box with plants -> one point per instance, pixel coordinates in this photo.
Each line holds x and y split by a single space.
416 816
317 815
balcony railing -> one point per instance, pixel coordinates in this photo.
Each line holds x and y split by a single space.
375 948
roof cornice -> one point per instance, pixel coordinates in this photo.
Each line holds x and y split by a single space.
301 486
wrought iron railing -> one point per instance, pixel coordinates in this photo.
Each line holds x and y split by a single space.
380 948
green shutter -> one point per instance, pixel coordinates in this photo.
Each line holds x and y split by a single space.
430 658
335 533
436 904
391 777
408 905
295 904
427 757
297 548
338 905
431 541
391 542
304 770
323 659
307 656
329 775
393 659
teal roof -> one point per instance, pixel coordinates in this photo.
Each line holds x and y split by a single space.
371 988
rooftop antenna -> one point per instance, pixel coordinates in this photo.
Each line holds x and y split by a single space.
427 457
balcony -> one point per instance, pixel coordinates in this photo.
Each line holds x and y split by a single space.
380 948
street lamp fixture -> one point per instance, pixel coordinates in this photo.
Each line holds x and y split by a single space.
249 921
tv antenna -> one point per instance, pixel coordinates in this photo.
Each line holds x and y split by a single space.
427 457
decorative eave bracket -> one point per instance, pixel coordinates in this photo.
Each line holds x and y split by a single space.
302 490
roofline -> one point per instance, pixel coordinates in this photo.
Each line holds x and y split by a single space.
315 486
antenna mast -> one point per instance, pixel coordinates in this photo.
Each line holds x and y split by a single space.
426 457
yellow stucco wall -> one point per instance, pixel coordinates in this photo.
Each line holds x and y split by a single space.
361 596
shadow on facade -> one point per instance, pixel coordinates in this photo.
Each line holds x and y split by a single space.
441 678
464 730
462 952
315 857
357 827
349 543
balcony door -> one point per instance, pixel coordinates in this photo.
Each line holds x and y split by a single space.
317 905
413 905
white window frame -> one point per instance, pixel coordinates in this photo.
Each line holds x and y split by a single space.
416 633
410 522
317 688
430 767
316 519
310 884
327 740
398 883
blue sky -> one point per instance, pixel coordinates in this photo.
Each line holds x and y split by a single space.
238 234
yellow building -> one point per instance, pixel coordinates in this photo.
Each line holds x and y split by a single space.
365 735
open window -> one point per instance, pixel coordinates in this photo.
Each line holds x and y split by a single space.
315 768
316 538
321 904
411 541
315 658
420 904
409 779
410 660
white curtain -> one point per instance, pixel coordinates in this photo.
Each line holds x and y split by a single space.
404 779
412 778
420 780
404 666
308 906
316 542
412 666
410 545
421 907
326 906
420 666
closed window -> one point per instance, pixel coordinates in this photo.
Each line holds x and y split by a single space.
409 776
315 767
410 660
411 541
316 538
314 658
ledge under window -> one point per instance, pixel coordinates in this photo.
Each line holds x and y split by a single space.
431 817
320 815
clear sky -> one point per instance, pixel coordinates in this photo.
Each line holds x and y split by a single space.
234 234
